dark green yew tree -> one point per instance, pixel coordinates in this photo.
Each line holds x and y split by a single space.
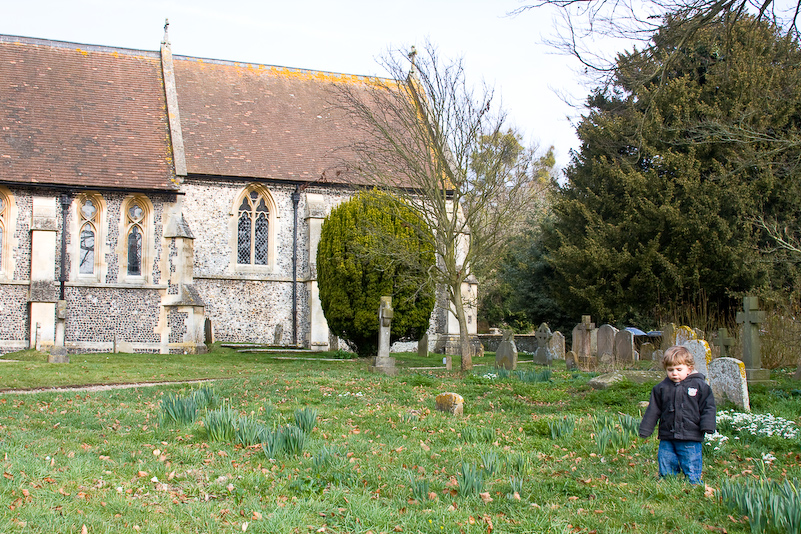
369 248
676 161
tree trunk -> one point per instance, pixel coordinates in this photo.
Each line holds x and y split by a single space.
464 338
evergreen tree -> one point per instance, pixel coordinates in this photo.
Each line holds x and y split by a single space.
672 170
368 249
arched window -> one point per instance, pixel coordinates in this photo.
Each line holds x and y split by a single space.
136 227
88 235
3 234
253 228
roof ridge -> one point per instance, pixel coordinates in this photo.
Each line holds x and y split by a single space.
68 44
248 64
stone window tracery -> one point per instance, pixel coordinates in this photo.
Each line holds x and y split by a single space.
88 236
137 227
255 214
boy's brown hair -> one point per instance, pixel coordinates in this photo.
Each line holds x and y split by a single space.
677 355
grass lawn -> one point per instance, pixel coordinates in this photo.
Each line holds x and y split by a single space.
525 457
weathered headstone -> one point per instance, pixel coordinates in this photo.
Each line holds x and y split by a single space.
278 335
724 342
543 355
452 403
557 345
422 346
699 334
506 353
624 347
702 355
728 381
647 351
606 341
684 334
570 361
797 375
750 318
582 337
383 363
208 332
668 336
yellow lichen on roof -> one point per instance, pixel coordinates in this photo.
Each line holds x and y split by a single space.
82 52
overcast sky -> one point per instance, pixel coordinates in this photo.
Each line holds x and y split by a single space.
344 36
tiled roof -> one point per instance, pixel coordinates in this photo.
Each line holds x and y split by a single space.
264 122
82 115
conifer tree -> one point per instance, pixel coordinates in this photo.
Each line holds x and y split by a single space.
368 250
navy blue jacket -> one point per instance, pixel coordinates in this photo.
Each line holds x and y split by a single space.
685 411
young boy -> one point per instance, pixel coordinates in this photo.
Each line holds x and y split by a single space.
685 408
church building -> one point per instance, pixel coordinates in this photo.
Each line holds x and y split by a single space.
142 194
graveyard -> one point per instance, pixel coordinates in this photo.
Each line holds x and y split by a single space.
271 442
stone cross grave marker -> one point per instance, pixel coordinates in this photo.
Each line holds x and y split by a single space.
702 355
557 345
728 382
582 337
724 342
750 318
624 347
543 354
383 363
506 353
606 341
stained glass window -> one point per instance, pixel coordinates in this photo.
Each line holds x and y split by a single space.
135 216
87 237
253 231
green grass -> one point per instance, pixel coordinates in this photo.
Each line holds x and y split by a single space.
378 457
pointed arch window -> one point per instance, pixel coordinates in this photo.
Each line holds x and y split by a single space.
135 215
88 236
3 217
253 230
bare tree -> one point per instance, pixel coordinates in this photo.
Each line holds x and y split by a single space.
424 139
636 22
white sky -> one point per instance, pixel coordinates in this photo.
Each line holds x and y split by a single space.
338 36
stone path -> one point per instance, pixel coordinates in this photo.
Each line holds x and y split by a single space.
103 387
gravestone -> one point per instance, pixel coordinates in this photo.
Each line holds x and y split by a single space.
750 318
702 355
278 335
647 351
728 382
797 375
699 334
724 342
606 341
582 338
624 347
208 333
668 336
422 346
543 355
506 353
684 334
557 345
570 361
383 363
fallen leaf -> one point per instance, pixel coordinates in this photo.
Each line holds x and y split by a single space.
709 491
84 530
424 446
485 497
257 516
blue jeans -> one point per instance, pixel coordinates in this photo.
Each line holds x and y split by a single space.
677 456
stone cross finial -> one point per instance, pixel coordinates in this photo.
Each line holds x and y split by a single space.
750 318
413 57
725 342
166 39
